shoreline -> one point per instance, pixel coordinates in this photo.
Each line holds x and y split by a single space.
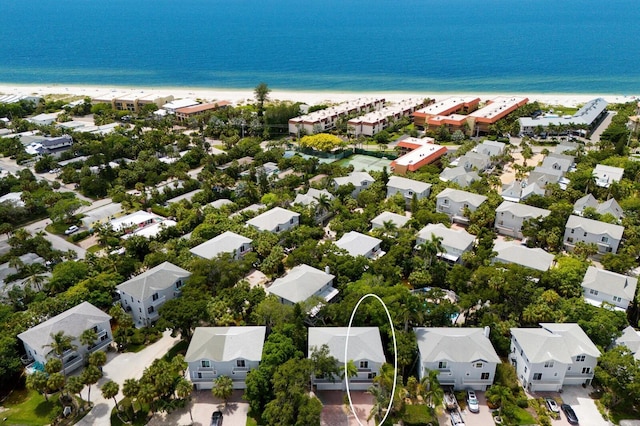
240 96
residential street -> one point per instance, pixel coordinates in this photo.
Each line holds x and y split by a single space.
120 367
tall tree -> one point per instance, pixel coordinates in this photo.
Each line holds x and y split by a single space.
90 376
222 388
110 390
184 389
60 343
262 95
38 382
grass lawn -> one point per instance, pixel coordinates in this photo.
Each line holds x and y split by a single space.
141 416
524 417
95 248
179 348
416 415
57 228
26 407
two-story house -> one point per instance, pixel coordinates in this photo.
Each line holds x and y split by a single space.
610 206
365 351
73 322
396 219
227 242
459 175
301 283
631 339
454 242
408 188
223 351
511 216
275 220
357 244
553 356
601 286
516 253
454 203
142 295
606 175
313 197
463 357
517 191
606 236
360 180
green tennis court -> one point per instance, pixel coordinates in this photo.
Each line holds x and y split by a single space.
364 162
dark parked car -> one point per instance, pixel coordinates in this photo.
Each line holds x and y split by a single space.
571 415
216 418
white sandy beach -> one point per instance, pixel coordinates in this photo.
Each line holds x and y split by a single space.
239 96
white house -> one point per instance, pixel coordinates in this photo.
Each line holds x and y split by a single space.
610 206
301 283
454 202
517 191
553 356
606 236
275 220
459 175
474 161
397 219
223 351
631 339
513 252
408 188
490 148
142 295
360 180
601 286
606 175
463 357
312 198
140 223
357 244
511 216
227 242
365 350
561 162
72 322
454 242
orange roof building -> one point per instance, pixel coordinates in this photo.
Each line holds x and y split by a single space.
185 113
419 153
495 110
445 108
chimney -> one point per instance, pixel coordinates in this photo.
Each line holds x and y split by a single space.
487 331
327 270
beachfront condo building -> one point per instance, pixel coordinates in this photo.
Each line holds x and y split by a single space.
376 121
444 111
134 102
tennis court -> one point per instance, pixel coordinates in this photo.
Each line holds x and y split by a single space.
364 162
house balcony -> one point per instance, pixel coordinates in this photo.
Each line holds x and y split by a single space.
72 361
152 316
159 301
100 344
240 371
203 375
26 359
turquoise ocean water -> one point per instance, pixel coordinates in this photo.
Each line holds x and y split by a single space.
573 46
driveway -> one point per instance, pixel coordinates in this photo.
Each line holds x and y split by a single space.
118 368
57 242
203 404
335 412
482 418
585 407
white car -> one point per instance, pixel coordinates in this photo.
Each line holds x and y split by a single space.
552 405
472 402
70 230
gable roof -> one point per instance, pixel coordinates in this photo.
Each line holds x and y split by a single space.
398 219
271 219
587 201
357 244
311 197
227 242
300 283
631 339
454 344
220 203
610 283
522 210
595 227
220 344
364 342
155 279
72 322
607 174
356 178
459 196
534 258
610 206
554 342
457 239
459 175
406 184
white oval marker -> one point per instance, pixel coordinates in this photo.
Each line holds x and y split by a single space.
395 357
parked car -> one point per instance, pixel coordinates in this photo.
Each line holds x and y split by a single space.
216 418
472 402
571 415
456 418
70 230
552 405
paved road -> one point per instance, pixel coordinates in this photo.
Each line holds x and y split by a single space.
120 367
57 242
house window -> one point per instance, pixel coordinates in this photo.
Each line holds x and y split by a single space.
478 365
150 309
364 364
586 370
501 223
445 202
155 297
609 249
291 221
537 376
605 239
617 299
410 192
371 375
525 368
484 376
594 292
573 230
580 358
140 309
585 234
240 363
442 365
570 240
205 363
548 364
179 283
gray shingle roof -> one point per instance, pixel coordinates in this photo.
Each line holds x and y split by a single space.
356 178
631 339
311 197
269 220
554 342
406 184
357 244
155 279
227 242
364 342
221 344
455 344
522 210
300 283
595 227
459 175
534 258
396 218
459 239
610 283
72 321
586 201
459 196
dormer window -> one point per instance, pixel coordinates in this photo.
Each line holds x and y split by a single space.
155 297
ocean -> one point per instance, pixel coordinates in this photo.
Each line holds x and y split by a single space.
525 46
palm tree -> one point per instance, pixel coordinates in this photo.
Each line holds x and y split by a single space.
130 389
98 359
75 385
35 277
110 390
430 249
184 389
88 337
90 376
390 228
60 343
431 391
222 388
146 394
349 370
38 382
